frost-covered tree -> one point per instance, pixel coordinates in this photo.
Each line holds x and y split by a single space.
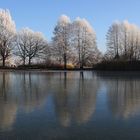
61 46
84 40
113 40
134 43
125 29
130 35
123 41
7 32
22 44
30 44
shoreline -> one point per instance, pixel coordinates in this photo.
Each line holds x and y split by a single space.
42 70
62 70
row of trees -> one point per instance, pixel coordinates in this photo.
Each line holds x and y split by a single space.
23 45
123 41
73 43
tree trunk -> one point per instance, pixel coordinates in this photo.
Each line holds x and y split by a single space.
82 59
65 61
29 62
24 62
3 62
81 65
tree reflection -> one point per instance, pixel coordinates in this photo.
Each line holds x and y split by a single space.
20 91
75 100
8 107
33 89
123 96
7 115
73 93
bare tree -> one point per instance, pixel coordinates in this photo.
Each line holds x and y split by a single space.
7 32
84 40
30 44
123 41
61 39
22 44
113 40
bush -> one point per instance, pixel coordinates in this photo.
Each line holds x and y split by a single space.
118 65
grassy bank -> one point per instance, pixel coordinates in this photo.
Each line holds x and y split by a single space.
103 66
42 67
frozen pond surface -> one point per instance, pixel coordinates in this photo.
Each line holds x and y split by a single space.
69 106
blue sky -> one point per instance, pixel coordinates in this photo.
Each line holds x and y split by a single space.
42 15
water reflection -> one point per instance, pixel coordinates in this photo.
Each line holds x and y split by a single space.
66 99
77 100
74 95
7 115
123 94
8 107
19 92
32 91
69 105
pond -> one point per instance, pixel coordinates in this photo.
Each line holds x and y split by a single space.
69 105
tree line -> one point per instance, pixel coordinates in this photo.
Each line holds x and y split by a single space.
123 42
123 48
74 43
